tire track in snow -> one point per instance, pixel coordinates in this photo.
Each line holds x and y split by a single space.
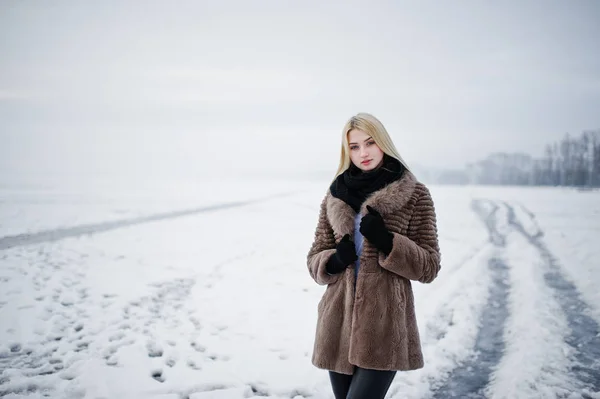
490 218
85 229
584 336
471 377
447 313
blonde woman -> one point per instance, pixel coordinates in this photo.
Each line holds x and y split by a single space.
376 233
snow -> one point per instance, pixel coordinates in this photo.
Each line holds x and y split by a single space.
113 301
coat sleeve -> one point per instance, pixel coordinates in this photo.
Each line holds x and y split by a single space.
416 256
322 248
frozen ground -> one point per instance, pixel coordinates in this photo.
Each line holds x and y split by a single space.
200 290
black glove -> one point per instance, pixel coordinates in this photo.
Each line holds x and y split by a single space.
345 254
373 229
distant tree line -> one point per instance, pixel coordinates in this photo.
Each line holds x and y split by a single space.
573 161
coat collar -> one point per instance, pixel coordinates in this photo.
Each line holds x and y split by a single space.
388 200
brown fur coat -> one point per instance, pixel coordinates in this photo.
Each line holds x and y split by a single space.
375 327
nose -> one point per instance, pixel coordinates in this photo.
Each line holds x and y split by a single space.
363 152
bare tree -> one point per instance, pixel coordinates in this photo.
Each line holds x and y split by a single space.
572 161
595 150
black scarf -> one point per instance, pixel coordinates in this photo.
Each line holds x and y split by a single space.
354 186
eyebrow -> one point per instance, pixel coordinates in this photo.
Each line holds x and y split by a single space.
363 141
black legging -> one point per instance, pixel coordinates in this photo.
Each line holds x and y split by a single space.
363 384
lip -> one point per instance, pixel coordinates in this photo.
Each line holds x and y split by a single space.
366 162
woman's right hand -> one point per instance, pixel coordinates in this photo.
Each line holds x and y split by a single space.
345 254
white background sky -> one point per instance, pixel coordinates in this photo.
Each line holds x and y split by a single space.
191 86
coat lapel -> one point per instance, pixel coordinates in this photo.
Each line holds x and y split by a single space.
387 201
393 197
341 216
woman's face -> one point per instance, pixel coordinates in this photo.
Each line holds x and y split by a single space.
364 153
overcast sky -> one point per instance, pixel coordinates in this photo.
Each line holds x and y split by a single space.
194 86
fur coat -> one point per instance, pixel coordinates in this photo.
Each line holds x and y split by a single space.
373 325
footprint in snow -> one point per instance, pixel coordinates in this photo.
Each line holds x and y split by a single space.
67 302
125 326
15 347
259 390
111 350
222 358
196 322
197 347
47 371
158 375
192 364
154 350
171 362
112 361
81 346
116 337
68 375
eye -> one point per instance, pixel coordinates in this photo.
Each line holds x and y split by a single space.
369 143
354 147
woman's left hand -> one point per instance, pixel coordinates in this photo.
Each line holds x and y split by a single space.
373 229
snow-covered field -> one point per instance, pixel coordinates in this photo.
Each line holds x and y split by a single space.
200 290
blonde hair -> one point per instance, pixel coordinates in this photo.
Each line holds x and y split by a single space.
374 128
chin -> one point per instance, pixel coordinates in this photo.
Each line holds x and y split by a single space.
366 168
